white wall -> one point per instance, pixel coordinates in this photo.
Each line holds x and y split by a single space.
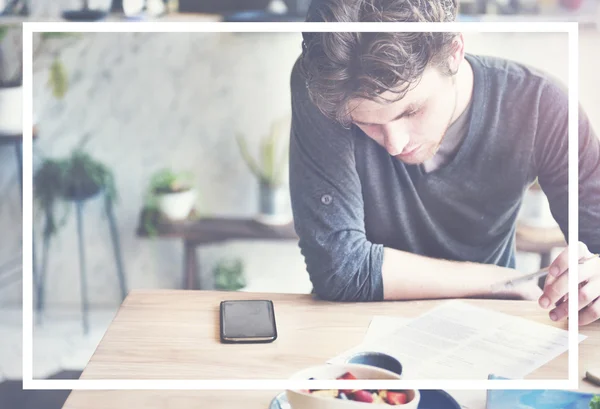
151 100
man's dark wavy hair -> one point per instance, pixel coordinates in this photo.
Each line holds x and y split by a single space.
342 66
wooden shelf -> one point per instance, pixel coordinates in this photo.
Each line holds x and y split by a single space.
207 230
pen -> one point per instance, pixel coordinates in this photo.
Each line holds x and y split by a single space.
542 273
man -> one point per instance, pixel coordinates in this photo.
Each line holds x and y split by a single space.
409 159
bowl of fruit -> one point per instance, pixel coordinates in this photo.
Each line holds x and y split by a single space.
346 398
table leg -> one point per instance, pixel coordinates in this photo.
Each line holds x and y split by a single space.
83 282
36 277
19 149
190 265
41 287
114 234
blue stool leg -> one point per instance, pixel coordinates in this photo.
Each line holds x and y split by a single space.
36 277
41 286
84 299
114 234
19 149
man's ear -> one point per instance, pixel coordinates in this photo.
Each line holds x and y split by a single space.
457 54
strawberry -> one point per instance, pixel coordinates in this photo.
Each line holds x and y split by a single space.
347 376
396 398
362 396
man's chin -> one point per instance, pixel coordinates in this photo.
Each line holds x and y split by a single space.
413 159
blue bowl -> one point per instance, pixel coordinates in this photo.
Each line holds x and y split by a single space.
377 359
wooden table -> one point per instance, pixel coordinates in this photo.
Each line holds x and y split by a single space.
174 335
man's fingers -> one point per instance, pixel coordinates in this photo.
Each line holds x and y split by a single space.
547 283
556 289
589 292
588 295
590 313
587 315
561 263
560 312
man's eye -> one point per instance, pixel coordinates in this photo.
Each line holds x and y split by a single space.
413 113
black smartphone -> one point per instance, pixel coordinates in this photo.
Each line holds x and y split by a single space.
248 321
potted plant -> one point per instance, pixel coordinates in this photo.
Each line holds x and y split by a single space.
11 77
269 169
595 402
229 275
74 178
171 193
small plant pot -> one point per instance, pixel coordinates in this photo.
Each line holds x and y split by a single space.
273 208
82 193
272 200
11 110
177 205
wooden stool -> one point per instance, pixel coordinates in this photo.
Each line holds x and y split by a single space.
116 245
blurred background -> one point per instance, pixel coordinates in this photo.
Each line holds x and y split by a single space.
160 161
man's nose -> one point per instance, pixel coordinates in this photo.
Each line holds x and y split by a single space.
395 138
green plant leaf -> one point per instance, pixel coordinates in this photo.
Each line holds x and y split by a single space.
281 166
595 402
3 32
277 134
247 157
268 157
166 180
229 275
54 35
58 79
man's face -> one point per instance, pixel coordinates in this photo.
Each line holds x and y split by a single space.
412 128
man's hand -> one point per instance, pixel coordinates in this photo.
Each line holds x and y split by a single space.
556 287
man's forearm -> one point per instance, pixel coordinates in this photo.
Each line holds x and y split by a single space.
408 276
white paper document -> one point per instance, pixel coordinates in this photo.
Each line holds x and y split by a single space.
459 341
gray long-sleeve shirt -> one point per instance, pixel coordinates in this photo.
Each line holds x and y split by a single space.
350 198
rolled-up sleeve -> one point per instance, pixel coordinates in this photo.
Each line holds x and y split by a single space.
328 207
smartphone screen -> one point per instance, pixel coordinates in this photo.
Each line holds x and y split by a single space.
250 321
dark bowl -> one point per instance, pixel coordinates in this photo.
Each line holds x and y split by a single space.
378 360
84 15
